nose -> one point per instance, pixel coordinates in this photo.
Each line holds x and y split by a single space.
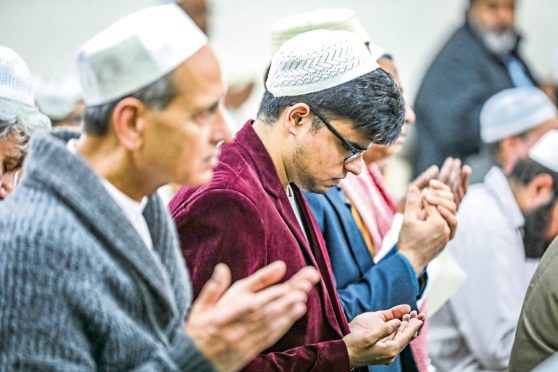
355 166
410 117
7 181
505 15
222 128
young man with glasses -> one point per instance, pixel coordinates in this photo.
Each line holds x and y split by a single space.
326 101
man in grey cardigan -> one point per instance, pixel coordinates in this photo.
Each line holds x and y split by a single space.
90 271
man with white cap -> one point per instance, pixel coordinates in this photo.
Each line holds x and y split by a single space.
355 215
535 338
505 225
19 117
511 122
326 101
91 273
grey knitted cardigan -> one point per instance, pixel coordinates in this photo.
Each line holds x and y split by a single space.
79 290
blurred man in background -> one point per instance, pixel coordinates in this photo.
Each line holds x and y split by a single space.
535 338
505 225
19 117
480 59
60 99
511 122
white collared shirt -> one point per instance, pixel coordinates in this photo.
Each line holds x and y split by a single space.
296 209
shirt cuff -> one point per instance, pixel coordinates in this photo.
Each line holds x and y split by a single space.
414 279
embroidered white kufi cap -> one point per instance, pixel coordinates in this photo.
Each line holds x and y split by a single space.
317 60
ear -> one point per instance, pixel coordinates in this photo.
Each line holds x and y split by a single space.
296 117
128 122
510 152
540 190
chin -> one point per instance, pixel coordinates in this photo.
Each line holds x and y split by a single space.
200 179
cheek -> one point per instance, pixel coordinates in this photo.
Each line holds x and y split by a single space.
553 225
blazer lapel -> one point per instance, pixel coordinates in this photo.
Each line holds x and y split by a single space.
353 235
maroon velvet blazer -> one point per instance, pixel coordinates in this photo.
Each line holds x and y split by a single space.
243 218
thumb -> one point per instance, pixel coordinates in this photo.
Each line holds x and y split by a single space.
422 180
213 289
412 205
385 330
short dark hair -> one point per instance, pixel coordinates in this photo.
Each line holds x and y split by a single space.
526 169
373 102
156 96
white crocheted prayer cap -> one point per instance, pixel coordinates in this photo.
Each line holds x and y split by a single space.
136 51
321 19
514 111
16 83
545 151
318 60
57 96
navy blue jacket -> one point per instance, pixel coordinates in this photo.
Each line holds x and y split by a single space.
362 285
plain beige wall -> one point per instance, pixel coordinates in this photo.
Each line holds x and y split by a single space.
47 33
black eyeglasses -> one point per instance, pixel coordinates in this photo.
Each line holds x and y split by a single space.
355 153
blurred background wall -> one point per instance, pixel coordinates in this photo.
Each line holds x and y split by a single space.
47 33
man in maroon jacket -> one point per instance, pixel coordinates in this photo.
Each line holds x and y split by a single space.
326 102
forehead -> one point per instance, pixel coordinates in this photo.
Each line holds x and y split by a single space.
9 147
198 81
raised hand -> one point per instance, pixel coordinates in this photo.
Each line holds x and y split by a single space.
232 326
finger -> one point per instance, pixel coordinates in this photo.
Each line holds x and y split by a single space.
264 277
445 202
404 336
422 180
413 203
304 279
451 220
214 288
395 312
386 331
439 185
445 170
455 175
464 184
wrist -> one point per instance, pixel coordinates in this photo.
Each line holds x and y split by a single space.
414 259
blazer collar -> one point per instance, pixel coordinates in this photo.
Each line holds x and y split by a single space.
248 139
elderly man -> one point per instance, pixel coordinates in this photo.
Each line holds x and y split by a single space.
511 122
327 100
91 271
480 59
19 117
505 225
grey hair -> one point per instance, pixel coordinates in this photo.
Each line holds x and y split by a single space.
21 120
156 96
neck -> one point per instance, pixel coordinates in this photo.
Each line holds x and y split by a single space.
114 163
519 194
273 140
